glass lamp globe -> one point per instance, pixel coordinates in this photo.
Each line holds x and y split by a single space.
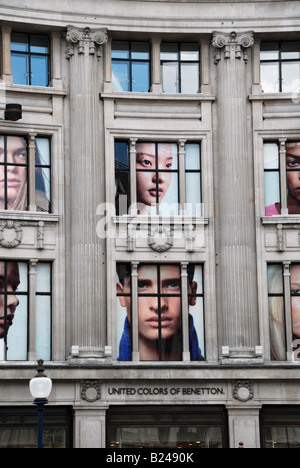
40 387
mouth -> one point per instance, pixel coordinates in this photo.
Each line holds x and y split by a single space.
153 192
9 320
164 322
13 183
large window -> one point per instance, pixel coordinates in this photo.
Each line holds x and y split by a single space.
180 68
160 312
16 160
167 427
282 177
280 67
280 427
131 66
158 178
15 314
284 310
30 59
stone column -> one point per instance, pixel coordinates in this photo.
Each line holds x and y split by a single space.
237 260
87 302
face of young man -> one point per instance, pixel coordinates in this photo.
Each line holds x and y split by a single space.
295 288
13 280
293 176
16 154
153 176
159 301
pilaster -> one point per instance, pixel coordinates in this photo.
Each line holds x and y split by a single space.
237 273
84 52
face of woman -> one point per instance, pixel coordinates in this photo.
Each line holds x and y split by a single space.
13 157
154 174
295 289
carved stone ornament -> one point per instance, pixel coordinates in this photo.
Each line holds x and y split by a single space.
78 37
160 238
243 391
91 391
10 234
237 42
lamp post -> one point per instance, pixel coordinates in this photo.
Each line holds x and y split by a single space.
40 388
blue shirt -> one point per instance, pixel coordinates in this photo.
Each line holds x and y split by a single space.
125 343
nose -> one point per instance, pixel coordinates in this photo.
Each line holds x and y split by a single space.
12 302
158 177
153 304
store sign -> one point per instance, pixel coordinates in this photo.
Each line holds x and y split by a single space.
167 391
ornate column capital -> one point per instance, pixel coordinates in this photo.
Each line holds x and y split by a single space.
238 43
80 37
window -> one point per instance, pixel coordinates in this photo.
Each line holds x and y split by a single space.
284 310
282 171
30 59
180 68
15 314
167 427
160 312
131 66
18 427
280 427
149 181
16 158
280 67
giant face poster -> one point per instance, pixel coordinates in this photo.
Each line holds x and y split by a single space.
160 321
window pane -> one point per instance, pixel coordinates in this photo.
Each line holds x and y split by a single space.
192 156
43 278
275 279
39 44
189 52
272 193
39 70
269 51
193 193
170 77
190 78
270 77
43 327
140 77
42 151
43 174
196 312
140 51
290 77
122 187
20 68
121 76
123 299
271 156
290 50
277 329
169 52
19 42
120 50
295 299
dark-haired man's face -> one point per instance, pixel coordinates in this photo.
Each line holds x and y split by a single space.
12 302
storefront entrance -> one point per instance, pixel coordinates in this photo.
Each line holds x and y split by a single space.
168 427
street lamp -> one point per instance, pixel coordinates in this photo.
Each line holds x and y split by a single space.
40 388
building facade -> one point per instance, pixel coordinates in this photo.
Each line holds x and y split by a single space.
149 222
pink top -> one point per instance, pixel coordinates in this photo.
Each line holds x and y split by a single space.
272 210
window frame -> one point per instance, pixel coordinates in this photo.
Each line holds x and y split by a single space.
31 294
179 61
184 306
29 54
181 172
279 61
131 61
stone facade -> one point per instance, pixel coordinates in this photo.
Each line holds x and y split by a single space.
233 239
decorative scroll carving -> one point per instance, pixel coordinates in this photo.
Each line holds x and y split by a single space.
160 238
10 234
239 43
78 37
91 391
243 391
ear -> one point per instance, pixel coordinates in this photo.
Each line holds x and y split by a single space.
193 300
120 290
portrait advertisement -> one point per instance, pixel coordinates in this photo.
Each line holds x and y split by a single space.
272 178
160 321
14 318
14 171
277 312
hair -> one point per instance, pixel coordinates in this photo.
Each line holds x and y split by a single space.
277 325
124 271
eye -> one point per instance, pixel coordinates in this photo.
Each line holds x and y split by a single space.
295 292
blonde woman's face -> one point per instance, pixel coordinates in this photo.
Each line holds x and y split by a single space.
295 289
13 170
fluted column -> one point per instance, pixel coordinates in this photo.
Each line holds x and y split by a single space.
84 51
237 272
